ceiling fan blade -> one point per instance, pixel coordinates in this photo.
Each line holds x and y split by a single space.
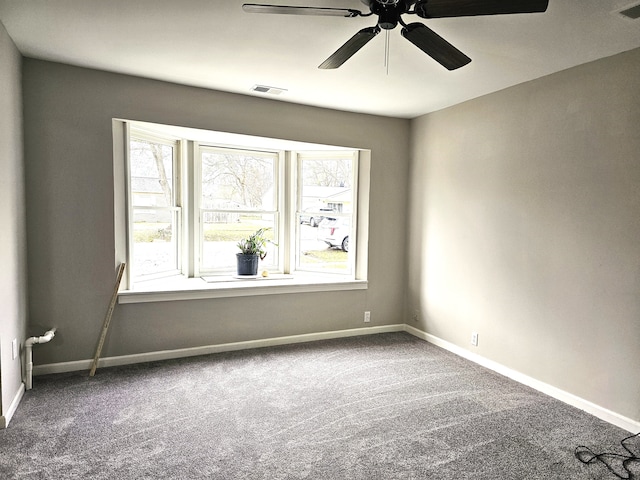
435 46
284 9
346 51
468 8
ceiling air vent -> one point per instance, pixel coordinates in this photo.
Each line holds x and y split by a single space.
632 12
270 90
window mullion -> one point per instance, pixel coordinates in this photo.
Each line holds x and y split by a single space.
130 270
354 213
287 212
194 180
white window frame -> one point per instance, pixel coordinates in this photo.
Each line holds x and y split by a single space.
188 285
300 157
175 208
278 212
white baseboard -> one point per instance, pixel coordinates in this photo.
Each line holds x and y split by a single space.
566 397
208 349
6 418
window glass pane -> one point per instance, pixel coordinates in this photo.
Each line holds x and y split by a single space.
325 214
238 180
155 219
151 174
238 197
155 245
221 231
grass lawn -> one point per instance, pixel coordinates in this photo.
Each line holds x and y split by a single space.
234 232
214 232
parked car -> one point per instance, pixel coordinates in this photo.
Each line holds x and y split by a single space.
335 232
313 216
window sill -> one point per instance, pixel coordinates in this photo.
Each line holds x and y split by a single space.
180 288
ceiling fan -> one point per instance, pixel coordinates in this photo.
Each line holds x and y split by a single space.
389 13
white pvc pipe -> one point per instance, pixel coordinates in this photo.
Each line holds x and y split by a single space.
28 345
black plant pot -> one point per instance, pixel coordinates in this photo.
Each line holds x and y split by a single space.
247 264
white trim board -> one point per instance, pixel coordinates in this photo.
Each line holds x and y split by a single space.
6 418
566 397
239 288
208 349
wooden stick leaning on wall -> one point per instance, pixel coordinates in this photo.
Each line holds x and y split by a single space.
107 319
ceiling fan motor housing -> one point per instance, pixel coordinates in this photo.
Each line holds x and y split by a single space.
386 2
389 13
387 19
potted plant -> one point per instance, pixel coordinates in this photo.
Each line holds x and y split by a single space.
252 249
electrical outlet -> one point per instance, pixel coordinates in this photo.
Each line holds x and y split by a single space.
474 339
416 316
367 317
14 349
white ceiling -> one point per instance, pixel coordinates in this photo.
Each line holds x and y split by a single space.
214 44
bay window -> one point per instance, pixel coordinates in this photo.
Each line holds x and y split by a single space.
189 196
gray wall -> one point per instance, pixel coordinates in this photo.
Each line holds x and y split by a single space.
525 214
68 151
13 280
524 219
